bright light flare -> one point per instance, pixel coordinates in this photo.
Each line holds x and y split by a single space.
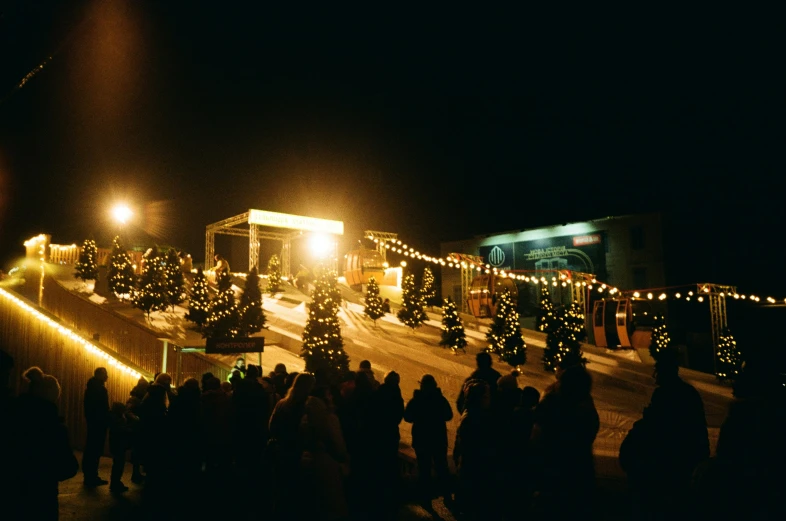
321 245
121 213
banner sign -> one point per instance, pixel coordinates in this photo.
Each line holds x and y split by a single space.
295 222
219 346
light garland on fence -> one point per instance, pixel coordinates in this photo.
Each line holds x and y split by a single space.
66 332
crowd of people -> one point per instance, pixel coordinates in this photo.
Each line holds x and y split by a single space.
295 446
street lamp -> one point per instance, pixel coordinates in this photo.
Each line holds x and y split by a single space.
121 213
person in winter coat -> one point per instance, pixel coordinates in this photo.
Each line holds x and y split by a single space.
428 412
386 413
566 424
365 367
484 372
217 424
41 447
96 404
119 442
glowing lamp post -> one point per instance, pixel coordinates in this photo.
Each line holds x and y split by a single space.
324 248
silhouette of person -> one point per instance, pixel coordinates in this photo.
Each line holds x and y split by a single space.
665 446
484 372
96 404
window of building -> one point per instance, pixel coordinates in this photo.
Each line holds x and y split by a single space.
637 238
639 278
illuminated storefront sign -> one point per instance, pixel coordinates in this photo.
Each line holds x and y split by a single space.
295 222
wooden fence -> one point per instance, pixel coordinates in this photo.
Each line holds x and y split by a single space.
69 255
43 340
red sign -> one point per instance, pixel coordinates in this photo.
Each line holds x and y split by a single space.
585 240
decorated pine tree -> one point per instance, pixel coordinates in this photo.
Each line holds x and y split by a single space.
496 330
373 308
428 291
545 319
173 279
411 312
120 277
660 337
199 303
223 319
512 349
729 361
87 264
252 316
563 341
323 347
453 335
273 275
151 289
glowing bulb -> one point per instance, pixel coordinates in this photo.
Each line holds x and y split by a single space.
121 213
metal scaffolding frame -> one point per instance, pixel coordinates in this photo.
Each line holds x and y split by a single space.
255 234
716 296
383 237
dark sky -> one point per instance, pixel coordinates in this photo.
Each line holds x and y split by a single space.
436 124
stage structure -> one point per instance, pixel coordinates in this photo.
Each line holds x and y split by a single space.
258 221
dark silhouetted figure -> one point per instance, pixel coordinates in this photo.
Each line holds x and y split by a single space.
217 423
475 455
155 440
96 403
8 493
566 423
484 372
42 449
428 412
665 446
119 442
185 421
516 473
386 413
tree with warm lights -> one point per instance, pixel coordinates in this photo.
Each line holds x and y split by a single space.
659 340
87 264
373 309
199 303
546 316
223 320
323 347
252 316
411 312
121 278
151 289
428 291
453 335
504 335
729 363
173 279
563 341
273 275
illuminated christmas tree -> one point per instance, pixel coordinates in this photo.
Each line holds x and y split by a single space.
660 337
121 276
173 279
453 335
411 312
373 308
223 320
252 316
563 341
87 265
507 341
729 363
199 304
546 317
151 289
323 347
428 290
273 275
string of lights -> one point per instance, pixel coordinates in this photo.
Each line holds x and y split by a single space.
70 334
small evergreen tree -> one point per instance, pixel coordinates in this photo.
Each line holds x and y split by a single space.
546 317
121 277
273 275
323 347
223 320
411 312
252 316
660 337
373 308
496 331
453 335
563 341
729 362
512 349
428 290
151 289
87 265
199 303
173 279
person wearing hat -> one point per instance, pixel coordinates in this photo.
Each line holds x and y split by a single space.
428 412
665 446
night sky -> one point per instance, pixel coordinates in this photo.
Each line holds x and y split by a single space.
437 124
